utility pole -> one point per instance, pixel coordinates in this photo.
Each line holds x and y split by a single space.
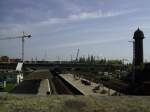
77 55
133 42
133 63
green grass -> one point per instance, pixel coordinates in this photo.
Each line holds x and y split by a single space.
9 87
68 103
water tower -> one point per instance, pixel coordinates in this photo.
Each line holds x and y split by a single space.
138 47
137 55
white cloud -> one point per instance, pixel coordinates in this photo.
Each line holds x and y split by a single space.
57 20
85 16
89 42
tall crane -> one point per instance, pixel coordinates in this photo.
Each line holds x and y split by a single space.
22 40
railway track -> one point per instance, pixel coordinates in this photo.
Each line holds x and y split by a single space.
43 82
61 88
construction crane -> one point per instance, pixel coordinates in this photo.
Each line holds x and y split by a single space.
22 40
77 55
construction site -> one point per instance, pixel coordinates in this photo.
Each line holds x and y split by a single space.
75 77
74 56
76 83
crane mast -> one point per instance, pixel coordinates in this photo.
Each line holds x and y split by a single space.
23 47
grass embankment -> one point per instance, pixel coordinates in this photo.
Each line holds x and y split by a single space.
13 103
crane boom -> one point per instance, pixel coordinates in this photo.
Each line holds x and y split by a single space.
22 39
10 38
7 38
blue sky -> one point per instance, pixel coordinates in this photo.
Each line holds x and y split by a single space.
59 27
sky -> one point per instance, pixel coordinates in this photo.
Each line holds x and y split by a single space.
59 27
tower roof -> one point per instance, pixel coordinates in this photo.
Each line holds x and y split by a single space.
138 34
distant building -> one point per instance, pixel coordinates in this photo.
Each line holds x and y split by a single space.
8 59
14 60
4 58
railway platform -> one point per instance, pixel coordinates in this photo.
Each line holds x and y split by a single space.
87 89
